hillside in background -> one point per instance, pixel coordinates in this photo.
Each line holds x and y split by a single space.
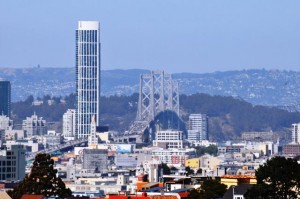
228 117
259 87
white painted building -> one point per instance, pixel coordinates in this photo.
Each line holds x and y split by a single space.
173 157
69 124
168 139
15 134
30 145
204 143
34 125
5 122
266 148
151 167
93 138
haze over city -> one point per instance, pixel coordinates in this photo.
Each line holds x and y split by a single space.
176 36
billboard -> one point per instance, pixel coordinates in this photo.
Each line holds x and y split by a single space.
123 148
119 148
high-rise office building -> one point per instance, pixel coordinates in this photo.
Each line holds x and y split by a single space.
5 98
296 133
88 76
197 127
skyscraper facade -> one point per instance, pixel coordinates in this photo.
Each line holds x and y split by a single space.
5 98
13 163
87 76
197 127
296 133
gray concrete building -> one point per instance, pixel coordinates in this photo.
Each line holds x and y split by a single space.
34 125
95 160
12 163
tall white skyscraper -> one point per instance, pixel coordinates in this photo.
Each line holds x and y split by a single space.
87 75
296 133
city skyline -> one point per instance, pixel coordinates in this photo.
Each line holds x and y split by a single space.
198 36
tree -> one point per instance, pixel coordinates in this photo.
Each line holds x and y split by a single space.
199 171
211 149
209 189
194 194
29 100
279 177
189 171
165 168
42 180
145 178
173 170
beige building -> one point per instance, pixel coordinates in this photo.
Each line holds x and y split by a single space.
209 162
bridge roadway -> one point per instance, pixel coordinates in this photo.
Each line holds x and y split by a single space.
57 148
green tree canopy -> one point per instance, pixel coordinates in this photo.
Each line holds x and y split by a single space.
279 177
211 149
189 171
209 189
165 168
41 180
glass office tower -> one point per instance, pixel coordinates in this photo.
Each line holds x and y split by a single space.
5 98
87 76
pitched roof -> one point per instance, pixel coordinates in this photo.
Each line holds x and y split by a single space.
4 195
150 184
154 189
180 190
241 189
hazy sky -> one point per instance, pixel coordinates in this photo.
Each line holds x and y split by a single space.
174 35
